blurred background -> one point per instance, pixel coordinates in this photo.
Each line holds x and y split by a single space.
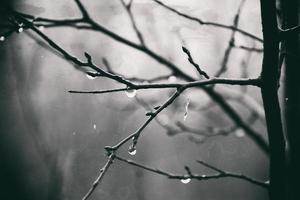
52 141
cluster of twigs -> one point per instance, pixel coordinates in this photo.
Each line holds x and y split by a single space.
19 22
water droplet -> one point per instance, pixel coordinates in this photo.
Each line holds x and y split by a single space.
172 79
286 99
74 133
130 93
90 77
164 119
94 126
267 182
239 133
41 28
20 30
187 103
2 38
132 150
185 180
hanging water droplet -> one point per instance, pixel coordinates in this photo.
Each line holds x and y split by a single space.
2 38
164 119
185 180
286 99
20 30
41 28
130 93
90 77
239 133
132 150
187 103
94 126
172 79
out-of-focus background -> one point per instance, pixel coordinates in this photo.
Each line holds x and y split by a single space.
52 141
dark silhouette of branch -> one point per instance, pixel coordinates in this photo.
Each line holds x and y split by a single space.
102 172
289 31
190 59
190 175
202 22
223 68
211 93
132 20
254 82
270 78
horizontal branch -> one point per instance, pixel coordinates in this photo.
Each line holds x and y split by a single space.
290 31
226 81
190 175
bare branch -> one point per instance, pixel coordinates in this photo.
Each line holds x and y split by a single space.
201 22
223 68
103 170
133 23
190 59
221 174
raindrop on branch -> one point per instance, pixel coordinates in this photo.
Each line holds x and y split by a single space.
185 180
90 77
239 133
130 93
172 79
2 38
94 126
20 30
132 150
41 28
187 103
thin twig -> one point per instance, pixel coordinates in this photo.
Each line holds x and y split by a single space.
103 170
190 59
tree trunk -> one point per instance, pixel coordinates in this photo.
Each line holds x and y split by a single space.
269 89
290 17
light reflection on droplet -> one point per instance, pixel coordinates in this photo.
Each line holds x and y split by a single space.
185 180
239 133
132 150
20 30
41 28
90 77
172 79
94 126
187 103
164 119
2 38
130 93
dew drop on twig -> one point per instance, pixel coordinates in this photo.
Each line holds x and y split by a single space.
130 93
20 30
132 150
186 107
185 180
41 28
172 79
239 133
2 38
90 77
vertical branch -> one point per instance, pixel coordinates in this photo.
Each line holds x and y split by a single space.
269 87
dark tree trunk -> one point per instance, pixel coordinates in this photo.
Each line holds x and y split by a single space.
290 17
269 90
